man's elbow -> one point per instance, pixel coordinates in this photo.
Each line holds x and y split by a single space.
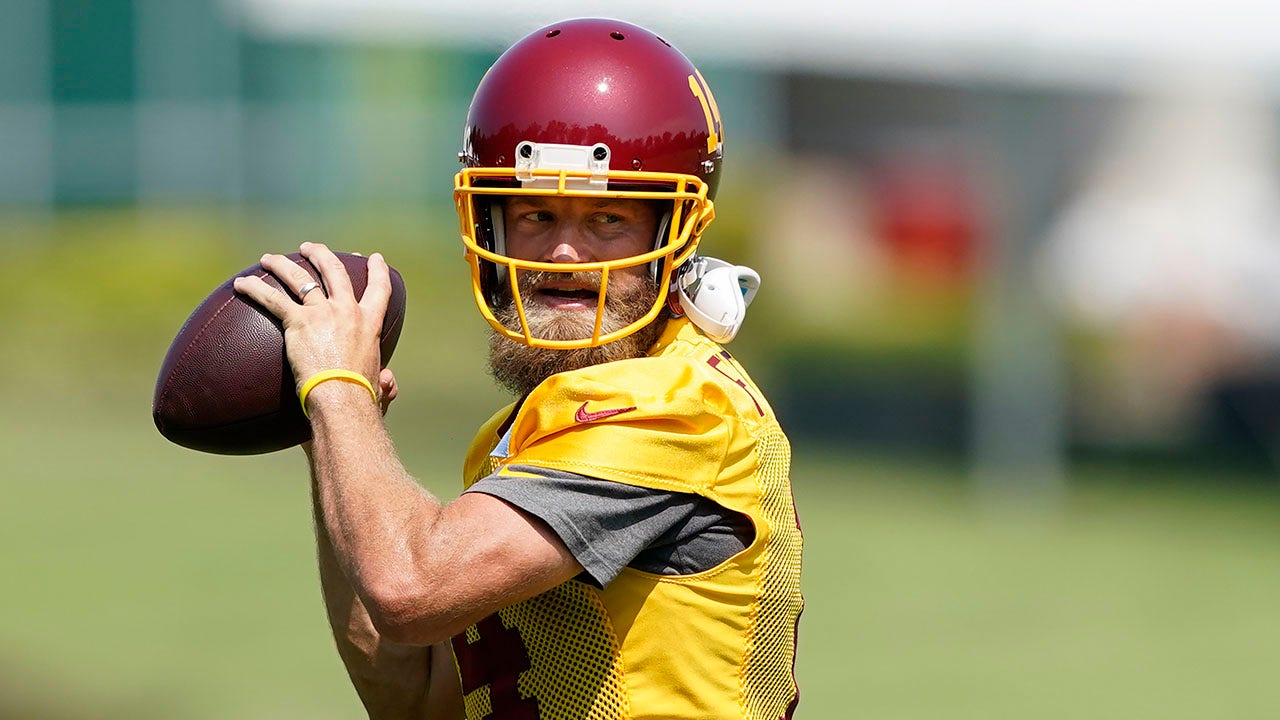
405 613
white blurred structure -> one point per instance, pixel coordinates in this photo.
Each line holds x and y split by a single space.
1180 215
1172 251
1085 42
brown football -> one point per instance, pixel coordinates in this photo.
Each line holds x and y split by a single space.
225 386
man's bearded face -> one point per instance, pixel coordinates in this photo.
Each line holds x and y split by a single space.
556 314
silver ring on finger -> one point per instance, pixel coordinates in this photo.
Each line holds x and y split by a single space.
302 291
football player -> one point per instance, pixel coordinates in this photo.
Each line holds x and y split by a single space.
626 545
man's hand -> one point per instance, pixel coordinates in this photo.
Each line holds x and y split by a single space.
324 333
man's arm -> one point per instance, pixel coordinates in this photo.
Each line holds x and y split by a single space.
393 681
390 679
422 571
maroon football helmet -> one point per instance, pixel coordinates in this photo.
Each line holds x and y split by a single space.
587 108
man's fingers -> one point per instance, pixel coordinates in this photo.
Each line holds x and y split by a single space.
388 388
332 271
377 291
273 299
290 274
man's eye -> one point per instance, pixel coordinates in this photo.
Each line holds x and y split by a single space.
539 216
608 218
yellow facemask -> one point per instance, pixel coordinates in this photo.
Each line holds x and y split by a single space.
689 214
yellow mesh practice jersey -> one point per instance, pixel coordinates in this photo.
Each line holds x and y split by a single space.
717 644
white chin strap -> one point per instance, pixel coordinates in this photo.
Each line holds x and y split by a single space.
715 294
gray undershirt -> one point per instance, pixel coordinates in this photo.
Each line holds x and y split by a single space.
609 525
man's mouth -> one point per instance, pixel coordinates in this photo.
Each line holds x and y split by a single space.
567 297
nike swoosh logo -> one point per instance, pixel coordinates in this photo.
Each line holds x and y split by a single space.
583 416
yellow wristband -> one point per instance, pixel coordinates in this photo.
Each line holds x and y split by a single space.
335 374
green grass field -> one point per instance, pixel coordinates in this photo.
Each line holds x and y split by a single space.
142 580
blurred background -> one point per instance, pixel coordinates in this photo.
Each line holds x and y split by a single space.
1020 315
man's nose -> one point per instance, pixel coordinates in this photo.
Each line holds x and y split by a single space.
568 247
564 253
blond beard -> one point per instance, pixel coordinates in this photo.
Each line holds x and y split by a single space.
520 368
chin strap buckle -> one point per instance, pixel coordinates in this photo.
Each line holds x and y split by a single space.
715 294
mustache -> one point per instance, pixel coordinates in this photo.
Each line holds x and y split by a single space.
534 280
530 281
